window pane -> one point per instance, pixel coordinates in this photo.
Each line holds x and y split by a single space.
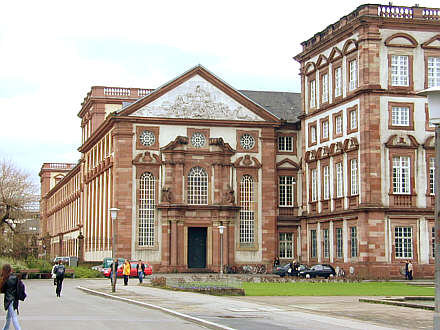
353 75
339 245
354 243
197 186
399 70
286 190
403 242
313 243
247 210
433 71
147 209
286 245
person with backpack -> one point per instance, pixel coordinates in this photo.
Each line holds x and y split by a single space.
14 290
59 271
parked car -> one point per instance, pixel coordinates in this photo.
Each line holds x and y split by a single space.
133 271
284 270
320 270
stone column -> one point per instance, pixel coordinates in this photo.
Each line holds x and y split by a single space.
173 242
215 246
225 244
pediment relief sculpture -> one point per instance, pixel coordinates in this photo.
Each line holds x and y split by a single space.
336 148
311 156
247 161
197 99
221 143
177 142
402 141
146 158
351 144
323 152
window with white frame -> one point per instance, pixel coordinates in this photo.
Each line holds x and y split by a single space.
312 93
431 176
326 182
286 190
197 186
338 81
147 209
399 70
313 244
354 242
285 143
325 129
400 116
286 245
314 181
433 71
338 124
325 243
353 75
313 134
354 177
401 175
247 209
339 245
325 88
339 180
433 242
403 242
353 119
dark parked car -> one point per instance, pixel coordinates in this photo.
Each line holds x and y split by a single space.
320 270
284 270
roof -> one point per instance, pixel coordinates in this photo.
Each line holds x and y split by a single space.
284 105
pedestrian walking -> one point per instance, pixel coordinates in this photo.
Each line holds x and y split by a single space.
59 271
276 262
13 288
406 270
54 277
410 271
140 267
126 271
115 261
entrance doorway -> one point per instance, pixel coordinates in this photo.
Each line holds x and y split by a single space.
196 247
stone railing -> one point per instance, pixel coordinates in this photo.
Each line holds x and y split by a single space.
394 12
58 166
116 92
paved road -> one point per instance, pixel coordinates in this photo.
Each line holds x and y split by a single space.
78 310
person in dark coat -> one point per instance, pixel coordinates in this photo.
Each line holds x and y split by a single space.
59 271
8 284
115 261
140 267
276 262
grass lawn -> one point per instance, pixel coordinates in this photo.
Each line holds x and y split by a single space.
335 289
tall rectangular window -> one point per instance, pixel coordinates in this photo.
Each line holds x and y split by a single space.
354 177
338 81
326 182
339 180
353 119
286 187
326 243
338 124
399 70
354 242
353 75
313 94
313 245
314 184
433 241
286 245
325 129
325 88
431 176
401 175
400 116
313 134
433 71
147 209
285 143
403 242
339 245
247 209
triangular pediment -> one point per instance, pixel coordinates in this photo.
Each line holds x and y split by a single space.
198 95
433 43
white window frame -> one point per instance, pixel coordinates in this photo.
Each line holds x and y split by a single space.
433 71
197 186
247 210
314 184
325 88
285 143
339 180
400 70
353 119
286 246
338 81
431 175
353 67
313 134
326 182
400 116
313 93
286 186
326 243
338 124
147 209
401 175
354 189
339 243
403 242
325 129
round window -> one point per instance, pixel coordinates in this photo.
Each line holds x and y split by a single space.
198 140
247 141
147 138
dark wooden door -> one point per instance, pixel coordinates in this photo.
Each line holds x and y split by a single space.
197 247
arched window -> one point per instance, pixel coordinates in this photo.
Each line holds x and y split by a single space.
247 211
197 186
147 209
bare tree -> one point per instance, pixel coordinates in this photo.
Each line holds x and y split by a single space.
16 191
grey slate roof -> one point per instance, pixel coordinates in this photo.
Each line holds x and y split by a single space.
284 105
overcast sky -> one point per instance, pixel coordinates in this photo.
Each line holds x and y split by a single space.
52 52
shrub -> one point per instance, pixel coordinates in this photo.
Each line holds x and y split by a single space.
16 265
85 272
43 265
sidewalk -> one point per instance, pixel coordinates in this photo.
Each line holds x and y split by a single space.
346 311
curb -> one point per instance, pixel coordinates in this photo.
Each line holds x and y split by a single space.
207 324
396 303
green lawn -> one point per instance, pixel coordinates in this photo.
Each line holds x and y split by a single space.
335 289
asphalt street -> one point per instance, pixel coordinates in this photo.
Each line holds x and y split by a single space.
78 310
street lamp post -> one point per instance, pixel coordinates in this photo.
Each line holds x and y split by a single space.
433 95
220 229
113 215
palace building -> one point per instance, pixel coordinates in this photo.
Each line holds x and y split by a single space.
342 173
